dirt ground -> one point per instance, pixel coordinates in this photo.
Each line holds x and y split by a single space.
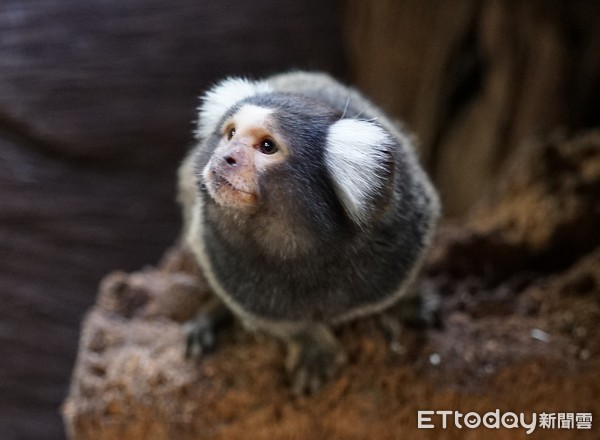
518 287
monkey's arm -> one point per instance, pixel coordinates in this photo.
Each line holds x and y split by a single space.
200 331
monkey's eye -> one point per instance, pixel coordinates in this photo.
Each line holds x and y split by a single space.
268 146
230 133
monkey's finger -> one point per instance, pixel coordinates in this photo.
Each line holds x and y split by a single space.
300 382
316 382
200 337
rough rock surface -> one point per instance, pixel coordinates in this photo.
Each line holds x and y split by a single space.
519 291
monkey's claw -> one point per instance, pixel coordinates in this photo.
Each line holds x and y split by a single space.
200 336
312 362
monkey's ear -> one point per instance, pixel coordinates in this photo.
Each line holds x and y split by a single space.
359 156
221 97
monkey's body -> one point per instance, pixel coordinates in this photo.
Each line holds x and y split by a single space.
329 227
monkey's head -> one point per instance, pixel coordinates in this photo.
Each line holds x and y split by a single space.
287 170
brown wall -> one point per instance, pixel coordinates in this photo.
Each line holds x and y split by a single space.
97 101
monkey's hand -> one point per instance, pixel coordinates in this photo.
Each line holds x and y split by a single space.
314 356
200 331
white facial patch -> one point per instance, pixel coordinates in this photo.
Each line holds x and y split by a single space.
356 155
249 117
221 98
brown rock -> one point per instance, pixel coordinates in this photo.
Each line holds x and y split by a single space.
526 341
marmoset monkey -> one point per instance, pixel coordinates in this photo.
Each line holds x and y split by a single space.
305 206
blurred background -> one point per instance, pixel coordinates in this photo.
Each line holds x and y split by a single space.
97 105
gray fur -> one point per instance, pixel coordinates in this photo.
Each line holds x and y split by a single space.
300 258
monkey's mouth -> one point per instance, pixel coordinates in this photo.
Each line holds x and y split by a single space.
226 193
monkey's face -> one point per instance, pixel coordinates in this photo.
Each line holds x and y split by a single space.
249 146
287 171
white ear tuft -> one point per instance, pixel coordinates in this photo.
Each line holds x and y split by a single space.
221 98
358 156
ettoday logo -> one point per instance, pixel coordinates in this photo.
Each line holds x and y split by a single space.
507 420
